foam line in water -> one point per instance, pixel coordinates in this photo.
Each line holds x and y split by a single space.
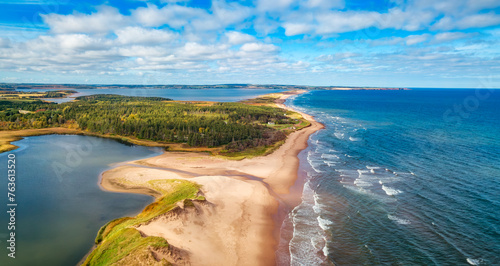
391 191
398 220
474 261
329 156
324 223
361 183
330 163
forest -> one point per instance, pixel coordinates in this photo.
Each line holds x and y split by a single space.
236 126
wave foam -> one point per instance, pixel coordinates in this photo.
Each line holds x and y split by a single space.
474 261
398 220
329 156
324 223
330 163
361 183
390 191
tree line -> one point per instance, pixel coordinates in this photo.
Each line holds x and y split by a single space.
238 126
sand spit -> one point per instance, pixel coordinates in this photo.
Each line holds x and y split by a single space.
234 226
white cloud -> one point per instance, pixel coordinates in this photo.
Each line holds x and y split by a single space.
467 22
138 35
221 15
292 29
103 21
450 36
179 40
304 18
4 42
332 22
258 47
235 37
175 16
337 56
230 13
68 43
415 39
337 22
479 21
482 4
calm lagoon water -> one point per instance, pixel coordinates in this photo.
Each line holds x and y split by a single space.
219 95
60 204
400 178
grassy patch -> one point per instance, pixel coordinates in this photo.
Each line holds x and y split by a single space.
251 153
127 243
266 99
119 242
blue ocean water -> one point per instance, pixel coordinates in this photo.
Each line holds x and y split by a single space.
400 178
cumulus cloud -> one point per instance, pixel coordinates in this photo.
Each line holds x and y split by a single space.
415 39
292 29
467 22
258 47
229 37
451 36
235 37
104 20
219 16
139 35
175 16
305 18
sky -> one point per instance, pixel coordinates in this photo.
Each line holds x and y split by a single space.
374 43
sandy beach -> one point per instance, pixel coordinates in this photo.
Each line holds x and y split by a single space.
235 226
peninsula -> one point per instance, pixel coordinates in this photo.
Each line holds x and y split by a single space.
217 188
208 210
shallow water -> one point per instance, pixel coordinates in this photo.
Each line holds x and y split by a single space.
398 179
60 204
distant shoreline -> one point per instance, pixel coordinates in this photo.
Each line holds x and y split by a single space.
14 86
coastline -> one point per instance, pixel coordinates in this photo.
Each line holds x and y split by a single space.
240 225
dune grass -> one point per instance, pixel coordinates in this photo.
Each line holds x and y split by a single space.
118 242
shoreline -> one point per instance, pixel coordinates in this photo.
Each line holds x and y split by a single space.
250 197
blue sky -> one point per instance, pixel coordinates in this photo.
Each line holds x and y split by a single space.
450 43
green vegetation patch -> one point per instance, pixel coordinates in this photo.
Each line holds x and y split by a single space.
234 126
119 242
31 95
267 99
127 243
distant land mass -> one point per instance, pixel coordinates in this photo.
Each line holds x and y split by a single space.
14 86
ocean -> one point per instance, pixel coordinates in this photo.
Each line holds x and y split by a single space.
400 178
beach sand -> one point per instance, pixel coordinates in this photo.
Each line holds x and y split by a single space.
236 226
